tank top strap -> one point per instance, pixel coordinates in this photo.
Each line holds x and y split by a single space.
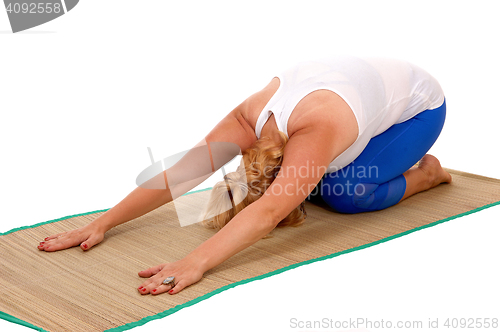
274 106
295 84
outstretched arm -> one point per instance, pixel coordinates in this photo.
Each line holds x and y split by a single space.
311 152
233 129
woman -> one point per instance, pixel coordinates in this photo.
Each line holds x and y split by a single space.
345 129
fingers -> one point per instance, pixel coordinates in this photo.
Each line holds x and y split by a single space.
54 236
153 289
58 244
178 287
148 286
45 243
153 285
156 288
92 241
85 237
49 241
161 289
151 271
61 241
184 272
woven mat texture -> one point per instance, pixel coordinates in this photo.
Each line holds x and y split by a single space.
72 290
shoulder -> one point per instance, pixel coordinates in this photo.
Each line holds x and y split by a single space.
253 105
239 125
327 114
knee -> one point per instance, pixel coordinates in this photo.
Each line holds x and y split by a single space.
368 196
364 195
347 198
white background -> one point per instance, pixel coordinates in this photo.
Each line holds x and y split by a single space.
83 96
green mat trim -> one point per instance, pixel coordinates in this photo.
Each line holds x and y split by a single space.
77 215
16 320
170 311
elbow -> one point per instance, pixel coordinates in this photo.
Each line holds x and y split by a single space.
271 217
274 214
263 218
266 226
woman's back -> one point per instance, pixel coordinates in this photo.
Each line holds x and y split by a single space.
379 92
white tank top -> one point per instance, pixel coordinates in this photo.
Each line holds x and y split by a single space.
380 92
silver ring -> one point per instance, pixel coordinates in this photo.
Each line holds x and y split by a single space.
169 281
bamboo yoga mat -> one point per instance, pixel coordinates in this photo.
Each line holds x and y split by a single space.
59 291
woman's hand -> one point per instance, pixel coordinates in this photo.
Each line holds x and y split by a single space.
186 273
85 237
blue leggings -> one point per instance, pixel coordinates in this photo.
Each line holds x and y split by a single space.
375 181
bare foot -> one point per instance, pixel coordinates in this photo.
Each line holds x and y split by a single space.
431 166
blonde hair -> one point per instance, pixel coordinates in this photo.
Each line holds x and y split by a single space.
258 169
